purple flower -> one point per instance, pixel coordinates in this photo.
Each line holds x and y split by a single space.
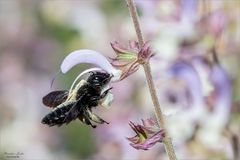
194 94
129 58
147 134
189 9
221 96
204 95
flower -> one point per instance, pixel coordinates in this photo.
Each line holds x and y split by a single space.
92 57
128 59
196 94
147 134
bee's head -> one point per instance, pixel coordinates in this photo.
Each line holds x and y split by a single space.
99 79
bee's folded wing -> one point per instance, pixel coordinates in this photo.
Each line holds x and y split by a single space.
55 98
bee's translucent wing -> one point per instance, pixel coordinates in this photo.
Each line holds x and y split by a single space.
55 98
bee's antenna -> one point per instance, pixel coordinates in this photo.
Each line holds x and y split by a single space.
53 79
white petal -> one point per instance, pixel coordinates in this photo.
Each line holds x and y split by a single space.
116 75
91 57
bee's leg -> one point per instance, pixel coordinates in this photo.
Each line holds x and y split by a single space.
95 118
87 121
97 98
103 95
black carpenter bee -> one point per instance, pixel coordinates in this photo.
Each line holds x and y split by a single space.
78 103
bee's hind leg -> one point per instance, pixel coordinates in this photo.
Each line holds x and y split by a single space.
87 121
95 118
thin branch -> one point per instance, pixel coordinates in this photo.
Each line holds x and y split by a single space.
134 15
167 140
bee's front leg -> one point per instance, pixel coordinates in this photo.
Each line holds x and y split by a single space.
106 99
103 95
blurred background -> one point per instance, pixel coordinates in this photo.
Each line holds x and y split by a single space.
195 69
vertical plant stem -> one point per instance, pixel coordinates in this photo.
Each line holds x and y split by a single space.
153 93
134 15
167 140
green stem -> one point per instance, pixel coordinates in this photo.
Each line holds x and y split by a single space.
167 140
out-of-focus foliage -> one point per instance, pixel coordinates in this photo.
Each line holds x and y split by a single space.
83 145
113 8
58 30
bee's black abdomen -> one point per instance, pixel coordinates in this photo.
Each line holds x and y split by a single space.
53 119
59 116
